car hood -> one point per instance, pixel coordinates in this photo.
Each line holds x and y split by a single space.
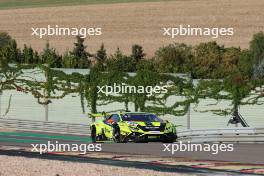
140 123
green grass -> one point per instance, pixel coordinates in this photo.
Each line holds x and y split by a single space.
45 136
10 4
21 140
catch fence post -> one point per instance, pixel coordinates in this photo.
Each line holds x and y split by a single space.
189 117
0 104
189 107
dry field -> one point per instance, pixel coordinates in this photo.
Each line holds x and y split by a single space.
129 23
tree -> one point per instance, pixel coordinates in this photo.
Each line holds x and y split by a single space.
90 88
9 47
120 62
101 55
4 39
12 53
28 55
68 61
37 59
79 53
137 53
174 58
257 51
147 64
229 61
245 64
236 88
207 60
101 58
4 61
50 57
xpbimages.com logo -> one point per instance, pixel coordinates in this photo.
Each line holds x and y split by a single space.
128 89
188 30
56 30
192 147
53 147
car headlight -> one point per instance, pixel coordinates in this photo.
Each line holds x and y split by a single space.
133 128
133 124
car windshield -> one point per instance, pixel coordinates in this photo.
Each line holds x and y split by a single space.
141 117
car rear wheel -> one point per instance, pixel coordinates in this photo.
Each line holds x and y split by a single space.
171 138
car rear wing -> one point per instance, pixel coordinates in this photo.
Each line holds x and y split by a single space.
94 116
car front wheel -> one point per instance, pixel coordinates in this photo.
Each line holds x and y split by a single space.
93 134
116 134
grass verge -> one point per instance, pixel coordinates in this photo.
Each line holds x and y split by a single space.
13 4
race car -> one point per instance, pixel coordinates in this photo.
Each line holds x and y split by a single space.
132 127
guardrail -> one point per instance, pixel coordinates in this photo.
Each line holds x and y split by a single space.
48 127
246 134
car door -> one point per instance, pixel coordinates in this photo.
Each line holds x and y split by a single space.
114 118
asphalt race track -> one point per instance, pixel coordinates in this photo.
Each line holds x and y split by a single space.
111 162
13 143
246 153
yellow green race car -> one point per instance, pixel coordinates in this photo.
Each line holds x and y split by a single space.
132 127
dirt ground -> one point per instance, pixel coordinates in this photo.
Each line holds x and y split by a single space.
31 167
126 24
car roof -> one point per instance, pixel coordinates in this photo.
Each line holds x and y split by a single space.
135 113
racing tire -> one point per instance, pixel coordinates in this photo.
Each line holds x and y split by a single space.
116 134
93 134
171 138
102 136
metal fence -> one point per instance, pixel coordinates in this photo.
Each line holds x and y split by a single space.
48 127
246 134
223 135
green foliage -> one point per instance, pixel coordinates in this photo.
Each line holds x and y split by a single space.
101 55
8 49
80 55
230 59
230 72
50 57
236 88
68 61
91 89
147 64
120 62
245 64
137 53
10 52
4 39
7 4
174 58
257 47
257 51
207 60
29 56
101 58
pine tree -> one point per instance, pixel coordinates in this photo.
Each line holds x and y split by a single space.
13 53
68 60
137 53
4 39
28 55
101 55
257 51
50 57
79 53
101 58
